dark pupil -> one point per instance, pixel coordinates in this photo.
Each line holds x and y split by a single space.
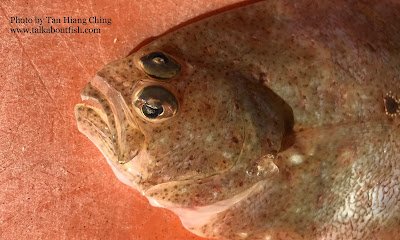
152 111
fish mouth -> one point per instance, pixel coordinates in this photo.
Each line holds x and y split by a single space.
107 121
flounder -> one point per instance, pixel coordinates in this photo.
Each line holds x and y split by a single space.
274 120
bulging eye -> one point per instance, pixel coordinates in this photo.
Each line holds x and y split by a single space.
155 103
160 65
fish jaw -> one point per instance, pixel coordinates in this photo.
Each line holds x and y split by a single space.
105 119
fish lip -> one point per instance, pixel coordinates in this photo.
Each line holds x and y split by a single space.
111 107
93 97
94 100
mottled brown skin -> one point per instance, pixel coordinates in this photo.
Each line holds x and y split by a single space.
287 126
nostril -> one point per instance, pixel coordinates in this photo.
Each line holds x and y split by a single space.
392 105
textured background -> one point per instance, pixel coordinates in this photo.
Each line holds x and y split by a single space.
54 183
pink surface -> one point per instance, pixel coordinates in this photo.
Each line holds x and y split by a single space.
54 182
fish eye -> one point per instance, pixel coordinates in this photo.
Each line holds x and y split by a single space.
159 65
155 103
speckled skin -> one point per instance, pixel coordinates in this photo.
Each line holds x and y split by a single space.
282 130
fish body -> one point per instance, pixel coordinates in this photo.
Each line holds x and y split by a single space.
275 120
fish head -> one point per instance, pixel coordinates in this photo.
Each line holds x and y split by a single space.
183 131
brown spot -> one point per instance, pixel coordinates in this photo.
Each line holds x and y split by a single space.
235 139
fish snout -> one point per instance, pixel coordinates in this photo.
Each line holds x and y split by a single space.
105 118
